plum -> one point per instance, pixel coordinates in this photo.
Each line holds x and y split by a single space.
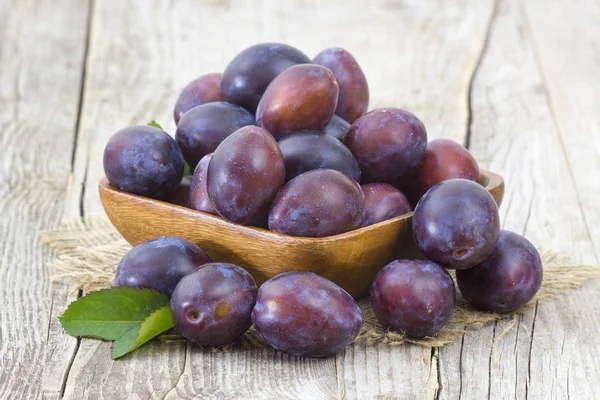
507 279
159 264
303 314
212 306
414 297
456 223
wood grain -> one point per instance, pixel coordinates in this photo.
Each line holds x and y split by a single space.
40 64
253 374
60 349
513 132
567 47
94 375
388 372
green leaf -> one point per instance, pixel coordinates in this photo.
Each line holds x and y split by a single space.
156 323
109 314
187 169
155 124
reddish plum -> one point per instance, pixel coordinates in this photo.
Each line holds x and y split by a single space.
383 202
354 91
199 199
443 159
301 97
212 306
202 90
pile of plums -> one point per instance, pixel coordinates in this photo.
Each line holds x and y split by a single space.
283 142
300 313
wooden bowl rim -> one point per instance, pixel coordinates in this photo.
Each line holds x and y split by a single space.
488 179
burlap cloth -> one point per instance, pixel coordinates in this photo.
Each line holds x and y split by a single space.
88 251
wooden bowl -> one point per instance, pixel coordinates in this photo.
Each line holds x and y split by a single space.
349 259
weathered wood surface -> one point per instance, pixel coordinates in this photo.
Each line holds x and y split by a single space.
517 81
41 57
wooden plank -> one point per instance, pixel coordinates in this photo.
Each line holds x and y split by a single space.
148 373
566 44
60 348
41 54
258 373
418 56
513 133
388 372
565 34
123 79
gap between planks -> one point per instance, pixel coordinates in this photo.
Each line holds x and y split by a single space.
84 62
467 142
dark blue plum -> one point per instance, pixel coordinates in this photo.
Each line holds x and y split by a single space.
307 150
507 279
247 76
456 223
212 306
388 144
304 314
201 129
337 127
143 160
159 264
443 159
382 202
414 297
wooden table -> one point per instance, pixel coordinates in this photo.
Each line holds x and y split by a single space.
516 81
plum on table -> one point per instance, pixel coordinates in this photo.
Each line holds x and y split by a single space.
212 305
303 314
507 279
414 297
